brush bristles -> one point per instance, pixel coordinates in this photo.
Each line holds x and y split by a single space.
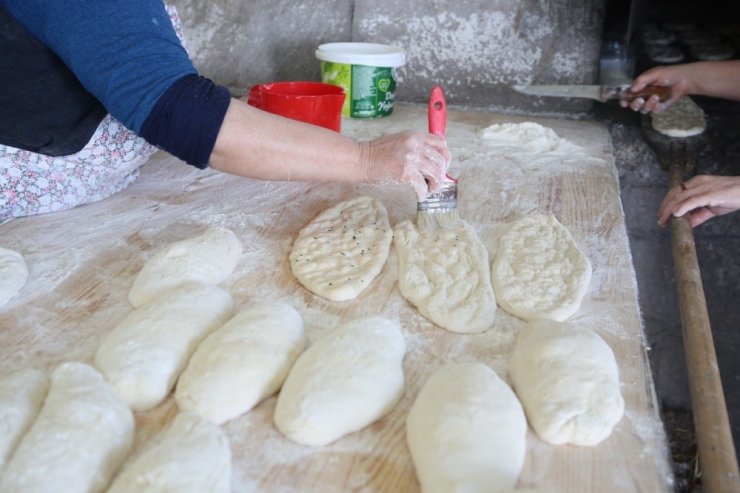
437 218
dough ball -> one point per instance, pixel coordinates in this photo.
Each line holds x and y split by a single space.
21 395
145 353
466 432
81 436
655 36
208 258
567 379
13 274
191 456
698 37
713 51
242 362
345 381
665 54
528 137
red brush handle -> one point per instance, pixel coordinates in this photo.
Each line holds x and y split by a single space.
437 112
438 117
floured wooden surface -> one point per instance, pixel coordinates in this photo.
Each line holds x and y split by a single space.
82 263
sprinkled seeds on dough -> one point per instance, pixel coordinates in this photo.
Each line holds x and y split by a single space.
339 253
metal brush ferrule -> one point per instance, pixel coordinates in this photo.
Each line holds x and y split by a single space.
446 198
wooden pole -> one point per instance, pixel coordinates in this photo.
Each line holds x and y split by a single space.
717 459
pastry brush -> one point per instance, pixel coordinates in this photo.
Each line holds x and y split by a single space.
439 210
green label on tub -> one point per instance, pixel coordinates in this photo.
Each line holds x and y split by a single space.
373 91
370 90
339 74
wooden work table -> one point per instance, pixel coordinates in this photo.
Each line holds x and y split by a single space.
82 263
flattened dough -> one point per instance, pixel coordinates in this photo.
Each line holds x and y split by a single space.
339 253
528 137
539 271
146 352
466 431
567 379
21 396
242 362
81 436
13 274
208 258
191 456
683 118
344 382
444 272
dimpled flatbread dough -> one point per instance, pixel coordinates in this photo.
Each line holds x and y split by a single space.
567 378
13 274
81 436
466 431
684 118
345 381
445 273
208 258
539 272
339 253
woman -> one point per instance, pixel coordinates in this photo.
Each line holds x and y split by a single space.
91 88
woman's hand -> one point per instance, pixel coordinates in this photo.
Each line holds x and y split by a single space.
715 79
677 77
701 198
417 158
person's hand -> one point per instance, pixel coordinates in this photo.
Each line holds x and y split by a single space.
417 158
701 198
678 78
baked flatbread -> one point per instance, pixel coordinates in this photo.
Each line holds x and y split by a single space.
683 118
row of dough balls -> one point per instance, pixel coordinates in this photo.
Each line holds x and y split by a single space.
81 431
539 271
466 428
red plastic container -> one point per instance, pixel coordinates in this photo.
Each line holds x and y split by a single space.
306 101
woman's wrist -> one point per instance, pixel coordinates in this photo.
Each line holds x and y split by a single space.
366 171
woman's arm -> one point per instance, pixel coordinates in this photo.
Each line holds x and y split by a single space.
260 145
128 56
716 79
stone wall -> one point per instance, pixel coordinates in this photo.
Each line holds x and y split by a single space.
475 49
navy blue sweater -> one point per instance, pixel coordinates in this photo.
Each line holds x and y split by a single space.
126 54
